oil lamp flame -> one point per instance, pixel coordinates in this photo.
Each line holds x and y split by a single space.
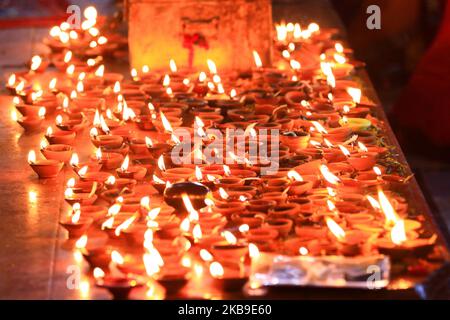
198 174
111 180
11 80
35 63
328 175
166 124
205 255
202 76
229 237
185 225
374 203
295 65
166 80
93 133
82 172
74 160
108 224
339 58
339 48
31 157
377 171
116 257
331 206
226 170
161 164
335 229
81 242
158 180
211 66
355 93
344 150
187 202
152 214
114 209
253 251
319 127
257 59
362 147
98 273
398 234
173 66
303 251
76 216
243 228
124 225
294 175
216 270
387 208
125 164
223 194
116 88
100 71
197 232
43 144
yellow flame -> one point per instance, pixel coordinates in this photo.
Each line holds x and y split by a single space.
336 229
31 157
216 269
328 175
398 234
257 59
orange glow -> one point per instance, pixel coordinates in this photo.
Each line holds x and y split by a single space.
98 273
81 242
166 124
35 63
173 65
387 208
211 66
398 234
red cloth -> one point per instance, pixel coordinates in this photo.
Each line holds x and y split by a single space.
425 103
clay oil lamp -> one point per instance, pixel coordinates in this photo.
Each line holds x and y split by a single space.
58 152
30 123
12 83
118 284
131 172
75 125
90 166
196 192
139 146
156 149
96 212
350 243
44 168
208 180
298 186
86 198
110 141
109 160
60 137
76 225
120 183
82 186
230 249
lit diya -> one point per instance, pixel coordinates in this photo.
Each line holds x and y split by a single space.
44 168
131 172
60 137
30 123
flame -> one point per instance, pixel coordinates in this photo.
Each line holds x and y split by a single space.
116 88
98 273
16 100
339 48
328 175
337 231
98 154
281 32
166 80
295 65
125 225
202 77
31 157
387 208
339 58
173 66
313 27
52 84
83 171
226 170
398 234
68 56
187 202
90 13
377 171
102 40
216 270
331 192
229 237
152 214
81 242
70 70
344 150
125 164
198 173
197 232
294 175
158 180
103 125
74 160
100 71
223 194
233 93
186 82
362 147
355 93
331 206
166 124
303 251
35 63
55 31
68 193
111 180
211 66
133 73
253 251
108 224
116 257
76 216
374 203
11 80
205 255
43 144
93 133
319 127
145 68
185 225
243 228
297 31
257 59
14 115
73 94
161 164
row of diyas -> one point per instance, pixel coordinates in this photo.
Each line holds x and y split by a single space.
334 193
